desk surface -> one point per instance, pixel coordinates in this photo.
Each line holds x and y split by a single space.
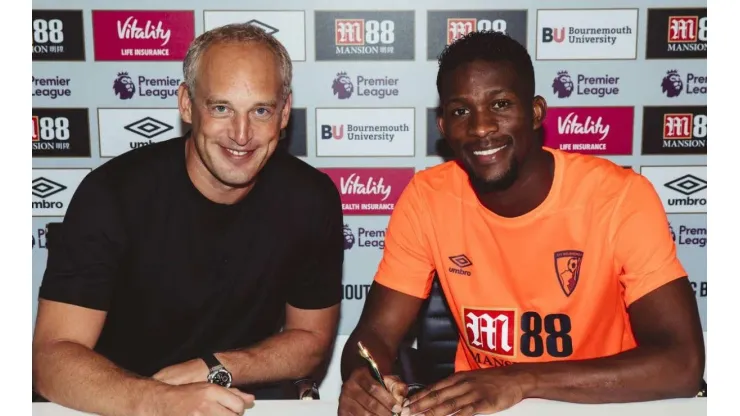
530 407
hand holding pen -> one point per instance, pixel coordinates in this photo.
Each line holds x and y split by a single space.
368 392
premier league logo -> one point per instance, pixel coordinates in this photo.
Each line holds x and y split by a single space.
124 86
672 84
562 85
349 238
342 86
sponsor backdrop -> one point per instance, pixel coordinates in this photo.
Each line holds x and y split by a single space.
626 81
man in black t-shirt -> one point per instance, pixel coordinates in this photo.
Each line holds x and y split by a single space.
177 264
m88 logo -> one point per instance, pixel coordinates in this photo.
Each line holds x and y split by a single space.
364 35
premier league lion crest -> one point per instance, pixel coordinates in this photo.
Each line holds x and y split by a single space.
342 86
562 85
568 269
349 238
124 86
672 84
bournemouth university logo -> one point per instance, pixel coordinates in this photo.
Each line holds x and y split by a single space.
568 269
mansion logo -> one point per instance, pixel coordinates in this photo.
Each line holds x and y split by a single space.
679 33
563 86
58 35
364 35
125 88
674 130
60 132
363 237
672 85
590 130
446 26
369 191
379 88
142 35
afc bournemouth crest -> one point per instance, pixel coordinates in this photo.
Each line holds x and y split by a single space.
568 269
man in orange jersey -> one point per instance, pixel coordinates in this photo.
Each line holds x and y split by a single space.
559 268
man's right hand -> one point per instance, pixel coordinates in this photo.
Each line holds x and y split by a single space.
199 399
362 395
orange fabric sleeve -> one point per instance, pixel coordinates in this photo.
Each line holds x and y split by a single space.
644 247
406 265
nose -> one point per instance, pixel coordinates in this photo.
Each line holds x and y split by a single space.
482 124
240 130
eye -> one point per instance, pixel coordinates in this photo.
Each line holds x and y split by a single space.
459 111
501 104
219 108
262 111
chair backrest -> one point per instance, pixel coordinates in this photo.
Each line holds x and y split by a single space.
437 335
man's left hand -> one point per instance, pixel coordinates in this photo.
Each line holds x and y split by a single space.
469 392
193 371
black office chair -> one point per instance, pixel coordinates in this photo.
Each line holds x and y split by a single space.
303 389
437 336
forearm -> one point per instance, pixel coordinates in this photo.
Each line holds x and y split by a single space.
641 374
74 376
383 354
289 355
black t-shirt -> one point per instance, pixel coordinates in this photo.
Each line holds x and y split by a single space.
180 275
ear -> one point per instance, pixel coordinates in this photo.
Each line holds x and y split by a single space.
440 123
539 111
184 104
285 114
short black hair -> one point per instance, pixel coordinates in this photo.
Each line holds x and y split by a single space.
491 46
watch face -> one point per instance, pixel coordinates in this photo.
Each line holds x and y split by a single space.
222 378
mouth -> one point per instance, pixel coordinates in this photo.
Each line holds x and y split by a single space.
490 155
237 154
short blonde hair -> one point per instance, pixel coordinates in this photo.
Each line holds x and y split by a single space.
236 33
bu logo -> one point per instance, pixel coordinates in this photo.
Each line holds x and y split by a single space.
568 269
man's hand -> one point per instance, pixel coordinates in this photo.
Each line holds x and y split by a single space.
362 395
193 371
197 399
470 392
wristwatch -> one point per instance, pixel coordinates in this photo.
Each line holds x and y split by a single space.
312 393
217 373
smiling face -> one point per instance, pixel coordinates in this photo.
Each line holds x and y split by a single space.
237 112
488 121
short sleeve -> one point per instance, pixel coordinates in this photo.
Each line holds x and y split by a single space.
406 265
85 259
644 247
319 284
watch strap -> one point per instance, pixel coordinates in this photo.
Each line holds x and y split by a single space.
211 361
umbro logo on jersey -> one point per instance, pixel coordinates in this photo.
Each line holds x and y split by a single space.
461 261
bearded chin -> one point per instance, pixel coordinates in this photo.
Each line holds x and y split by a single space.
486 186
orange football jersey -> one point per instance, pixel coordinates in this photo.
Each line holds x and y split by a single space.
553 284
